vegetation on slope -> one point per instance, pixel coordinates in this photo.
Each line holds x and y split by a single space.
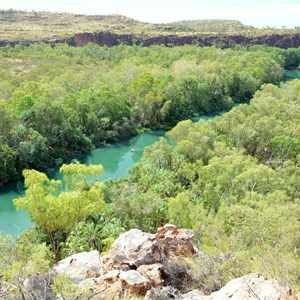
206 26
21 25
38 25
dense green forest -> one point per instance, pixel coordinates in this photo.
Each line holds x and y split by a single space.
234 180
56 103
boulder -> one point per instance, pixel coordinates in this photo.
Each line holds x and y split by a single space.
115 283
134 283
252 286
152 273
39 287
131 250
249 287
135 248
80 266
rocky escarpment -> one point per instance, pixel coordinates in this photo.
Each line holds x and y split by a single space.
223 41
281 40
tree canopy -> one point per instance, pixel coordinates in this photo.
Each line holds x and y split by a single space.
57 206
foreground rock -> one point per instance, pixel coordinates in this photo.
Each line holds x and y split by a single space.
249 287
133 266
153 273
252 286
80 266
142 264
131 250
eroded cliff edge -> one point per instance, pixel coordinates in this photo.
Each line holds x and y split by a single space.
105 38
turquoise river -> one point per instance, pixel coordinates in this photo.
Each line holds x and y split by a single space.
116 159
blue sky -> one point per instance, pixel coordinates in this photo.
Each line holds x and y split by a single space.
259 13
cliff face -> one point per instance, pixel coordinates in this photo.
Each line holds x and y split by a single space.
288 40
223 41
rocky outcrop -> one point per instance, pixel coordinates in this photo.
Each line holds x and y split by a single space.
135 248
222 40
142 264
133 266
283 40
100 38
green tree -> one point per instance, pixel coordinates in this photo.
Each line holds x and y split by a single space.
56 212
180 210
24 103
6 120
31 148
51 120
7 163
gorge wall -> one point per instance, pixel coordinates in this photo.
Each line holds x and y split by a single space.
283 40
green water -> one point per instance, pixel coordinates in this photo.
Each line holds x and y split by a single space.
11 221
291 75
116 159
210 115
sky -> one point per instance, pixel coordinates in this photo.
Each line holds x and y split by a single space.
258 13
